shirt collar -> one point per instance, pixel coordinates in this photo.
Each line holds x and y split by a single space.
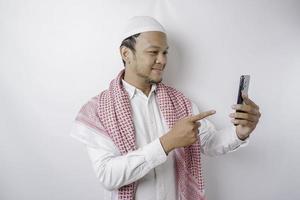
131 90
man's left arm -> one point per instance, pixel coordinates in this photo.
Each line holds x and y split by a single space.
217 142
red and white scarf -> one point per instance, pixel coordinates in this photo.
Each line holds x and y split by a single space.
115 115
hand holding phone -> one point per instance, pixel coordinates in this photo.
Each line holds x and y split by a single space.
247 114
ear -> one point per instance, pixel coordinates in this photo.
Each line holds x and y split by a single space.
125 53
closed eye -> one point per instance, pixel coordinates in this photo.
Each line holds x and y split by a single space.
153 52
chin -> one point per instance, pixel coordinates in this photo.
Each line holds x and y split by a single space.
155 81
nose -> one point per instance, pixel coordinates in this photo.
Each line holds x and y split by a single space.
161 59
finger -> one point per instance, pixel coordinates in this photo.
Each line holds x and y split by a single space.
245 116
245 108
248 101
197 124
243 122
202 115
196 129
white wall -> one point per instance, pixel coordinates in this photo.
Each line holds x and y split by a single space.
55 55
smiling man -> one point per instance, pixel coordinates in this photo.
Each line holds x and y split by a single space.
145 138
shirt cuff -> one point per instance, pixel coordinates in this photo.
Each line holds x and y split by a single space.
237 142
154 153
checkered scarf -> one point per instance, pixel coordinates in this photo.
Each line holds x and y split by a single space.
115 115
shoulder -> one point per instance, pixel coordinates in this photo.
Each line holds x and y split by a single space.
90 105
171 89
175 92
88 114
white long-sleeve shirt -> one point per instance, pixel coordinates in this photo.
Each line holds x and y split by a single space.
148 165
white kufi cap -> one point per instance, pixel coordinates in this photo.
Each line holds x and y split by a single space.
139 24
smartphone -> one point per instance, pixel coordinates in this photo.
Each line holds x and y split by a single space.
243 87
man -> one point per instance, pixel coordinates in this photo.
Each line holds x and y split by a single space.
143 137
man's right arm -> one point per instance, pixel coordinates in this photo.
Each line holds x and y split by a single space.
113 169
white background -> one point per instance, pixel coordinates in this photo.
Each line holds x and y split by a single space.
55 55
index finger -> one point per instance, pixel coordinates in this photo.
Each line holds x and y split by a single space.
202 115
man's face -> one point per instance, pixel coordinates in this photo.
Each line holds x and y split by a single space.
150 57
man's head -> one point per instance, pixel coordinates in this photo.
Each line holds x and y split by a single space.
144 49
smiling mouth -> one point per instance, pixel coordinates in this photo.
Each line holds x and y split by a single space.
158 71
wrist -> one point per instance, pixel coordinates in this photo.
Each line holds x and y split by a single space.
166 143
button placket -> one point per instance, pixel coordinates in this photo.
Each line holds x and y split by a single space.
152 115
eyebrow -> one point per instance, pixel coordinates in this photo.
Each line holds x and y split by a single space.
157 47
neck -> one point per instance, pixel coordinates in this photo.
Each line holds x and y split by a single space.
138 82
